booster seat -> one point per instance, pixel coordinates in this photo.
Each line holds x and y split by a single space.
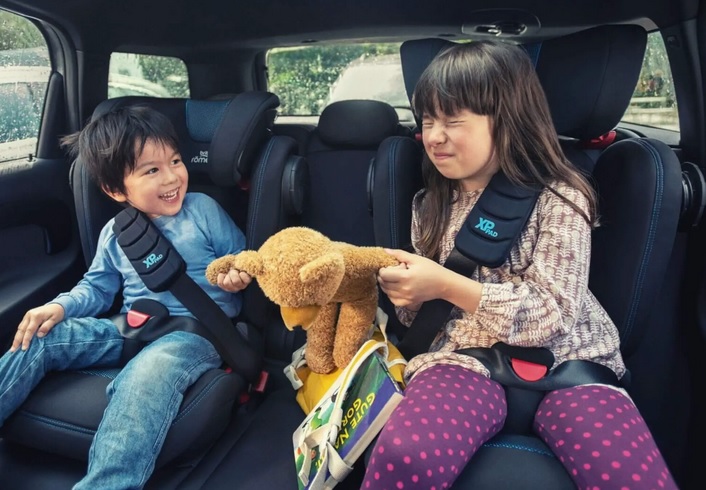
219 140
640 191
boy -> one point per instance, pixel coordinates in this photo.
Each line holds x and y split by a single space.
132 154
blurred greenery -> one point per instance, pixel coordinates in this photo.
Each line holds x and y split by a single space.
655 77
18 33
302 76
168 72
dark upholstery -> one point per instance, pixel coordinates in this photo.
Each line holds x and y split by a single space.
339 154
329 188
220 141
338 177
589 78
394 178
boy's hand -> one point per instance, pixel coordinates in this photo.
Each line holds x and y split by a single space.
37 321
233 281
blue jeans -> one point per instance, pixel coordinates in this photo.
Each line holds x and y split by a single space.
142 400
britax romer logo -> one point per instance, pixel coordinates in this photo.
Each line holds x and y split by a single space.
202 157
486 226
151 260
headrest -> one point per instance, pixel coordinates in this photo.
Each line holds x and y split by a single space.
245 125
415 56
590 76
357 123
217 138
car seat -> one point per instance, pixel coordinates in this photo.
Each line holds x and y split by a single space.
589 78
219 141
328 192
337 157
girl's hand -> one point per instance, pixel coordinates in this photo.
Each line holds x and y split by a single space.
233 281
415 280
37 321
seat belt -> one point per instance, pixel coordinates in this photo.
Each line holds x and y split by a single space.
485 239
161 268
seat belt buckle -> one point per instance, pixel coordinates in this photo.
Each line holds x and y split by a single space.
256 388
528 371
137 319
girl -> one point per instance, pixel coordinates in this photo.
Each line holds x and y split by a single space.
483 111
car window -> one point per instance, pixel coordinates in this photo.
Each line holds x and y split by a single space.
24 73
147 75
308 78
654 102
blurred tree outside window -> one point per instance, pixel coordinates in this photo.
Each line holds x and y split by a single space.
24 72
147 75
308 78
654 102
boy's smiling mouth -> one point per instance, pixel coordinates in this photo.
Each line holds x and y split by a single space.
170 196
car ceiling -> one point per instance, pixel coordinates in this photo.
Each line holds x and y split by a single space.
187 25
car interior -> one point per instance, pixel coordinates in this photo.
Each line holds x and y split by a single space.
249 86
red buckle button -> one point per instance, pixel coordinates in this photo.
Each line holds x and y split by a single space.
528 371
136 319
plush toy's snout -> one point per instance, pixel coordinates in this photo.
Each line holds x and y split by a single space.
303 316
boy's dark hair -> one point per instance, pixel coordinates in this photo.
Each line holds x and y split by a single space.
110 144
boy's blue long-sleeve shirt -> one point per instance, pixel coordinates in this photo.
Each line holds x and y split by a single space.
200 232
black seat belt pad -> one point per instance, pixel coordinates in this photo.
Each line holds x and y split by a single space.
485 239
161 268
151 254
496 221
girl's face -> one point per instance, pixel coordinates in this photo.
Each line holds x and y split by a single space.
461 147
158 183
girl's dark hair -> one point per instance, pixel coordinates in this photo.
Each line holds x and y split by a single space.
496 79
110 144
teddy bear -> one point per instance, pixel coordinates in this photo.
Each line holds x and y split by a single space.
308 276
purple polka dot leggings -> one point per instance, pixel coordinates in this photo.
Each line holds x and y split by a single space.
449 412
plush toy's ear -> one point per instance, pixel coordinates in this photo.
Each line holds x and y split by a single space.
248 261
328 267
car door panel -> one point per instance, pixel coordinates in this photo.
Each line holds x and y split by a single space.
39 249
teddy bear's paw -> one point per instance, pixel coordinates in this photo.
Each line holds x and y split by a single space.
321 366
222 264
342 357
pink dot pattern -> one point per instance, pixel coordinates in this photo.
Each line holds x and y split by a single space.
599 436
447 414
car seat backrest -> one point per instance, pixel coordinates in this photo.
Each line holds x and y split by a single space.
218 140
339 153
589 78
638 180
325 189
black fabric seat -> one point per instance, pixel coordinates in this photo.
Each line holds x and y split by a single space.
326 189
220 141
589 78
350 134
333 187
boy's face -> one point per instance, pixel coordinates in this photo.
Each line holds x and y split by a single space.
158 183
